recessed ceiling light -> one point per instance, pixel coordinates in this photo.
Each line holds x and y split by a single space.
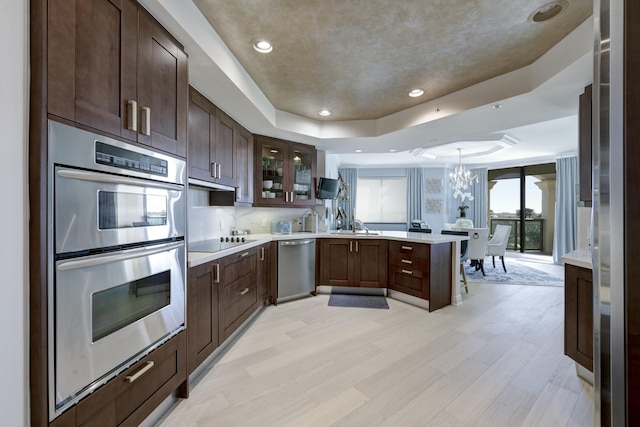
358 151
393 150
262 45
416 93
497 106
548 11
324 113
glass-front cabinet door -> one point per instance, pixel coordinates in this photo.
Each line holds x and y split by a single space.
286 174
303 165
272 188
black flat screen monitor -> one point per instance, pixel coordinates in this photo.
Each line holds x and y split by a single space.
327 188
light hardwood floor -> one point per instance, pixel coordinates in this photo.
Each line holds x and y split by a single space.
496 360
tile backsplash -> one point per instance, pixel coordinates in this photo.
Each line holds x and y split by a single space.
210 222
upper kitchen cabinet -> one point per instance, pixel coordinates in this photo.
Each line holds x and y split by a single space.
112 67
244 166
284 173
220 150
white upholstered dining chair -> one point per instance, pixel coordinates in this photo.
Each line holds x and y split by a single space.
498 244
477 248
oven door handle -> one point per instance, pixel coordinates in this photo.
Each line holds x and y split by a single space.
117 257
114 179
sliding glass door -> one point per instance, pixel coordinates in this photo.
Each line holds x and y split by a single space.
524 198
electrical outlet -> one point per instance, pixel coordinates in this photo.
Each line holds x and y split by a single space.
264 222
221 225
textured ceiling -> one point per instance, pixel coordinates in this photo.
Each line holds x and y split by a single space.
360 58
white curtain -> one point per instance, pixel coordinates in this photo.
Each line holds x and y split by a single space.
350 177
564 236
480 192
414 194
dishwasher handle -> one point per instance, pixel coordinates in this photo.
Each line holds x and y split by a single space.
296 242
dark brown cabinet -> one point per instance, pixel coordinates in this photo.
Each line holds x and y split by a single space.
584 144
129 398
238 291
578 315
221 295
202 312
421 270
267 273
112 67
352 262
220 150
284 173
244 167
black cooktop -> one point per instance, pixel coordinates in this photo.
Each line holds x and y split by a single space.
216 245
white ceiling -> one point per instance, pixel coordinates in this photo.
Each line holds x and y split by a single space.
539 103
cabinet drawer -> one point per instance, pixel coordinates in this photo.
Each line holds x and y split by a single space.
235 266
412 282
418 250
237 299
408 261
130 397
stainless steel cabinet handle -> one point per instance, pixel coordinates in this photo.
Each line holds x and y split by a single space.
286 197
132 115
261 254
242 255
141 372
408 248
217 279
238 192
407 271
350 246
244 291
356 246
406 261
291 197
214 170
146 122
219 170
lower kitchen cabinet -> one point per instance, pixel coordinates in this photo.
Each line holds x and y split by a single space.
238 291
128 399
267 272
352 262
421 270
221 296
578 315
202 312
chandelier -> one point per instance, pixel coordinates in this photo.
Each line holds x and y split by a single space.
461 180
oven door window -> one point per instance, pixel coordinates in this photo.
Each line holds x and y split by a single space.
119 306
126 210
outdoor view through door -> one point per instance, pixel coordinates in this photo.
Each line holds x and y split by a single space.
524 198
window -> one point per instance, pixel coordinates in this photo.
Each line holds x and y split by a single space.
382 200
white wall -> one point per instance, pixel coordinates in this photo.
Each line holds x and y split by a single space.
13 249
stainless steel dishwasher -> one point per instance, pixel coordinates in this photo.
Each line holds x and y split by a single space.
296 268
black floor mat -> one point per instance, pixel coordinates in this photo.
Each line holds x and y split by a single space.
360 301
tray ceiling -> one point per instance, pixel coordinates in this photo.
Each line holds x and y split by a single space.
360 59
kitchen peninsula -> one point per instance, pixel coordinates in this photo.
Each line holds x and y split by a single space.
394 239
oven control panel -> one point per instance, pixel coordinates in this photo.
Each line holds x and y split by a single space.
126 159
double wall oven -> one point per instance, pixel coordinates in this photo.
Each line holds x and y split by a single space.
116 220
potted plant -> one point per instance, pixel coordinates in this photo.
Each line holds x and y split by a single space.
463 210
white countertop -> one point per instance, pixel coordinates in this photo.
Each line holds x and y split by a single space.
198 258
579 258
